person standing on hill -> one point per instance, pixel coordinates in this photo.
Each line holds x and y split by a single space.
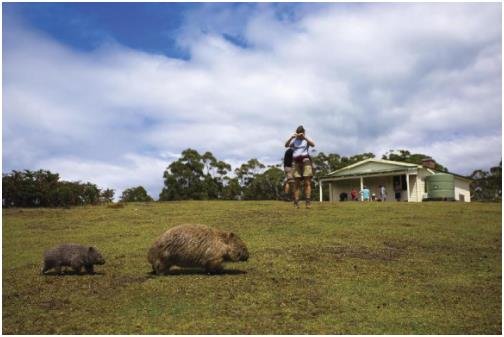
397 190
303 169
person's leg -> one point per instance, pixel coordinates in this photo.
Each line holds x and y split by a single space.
286 186
292 187
307 189
288 174
296 191
289 183
298 176
307 176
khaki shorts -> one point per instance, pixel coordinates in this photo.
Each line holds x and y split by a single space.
304 169
288 173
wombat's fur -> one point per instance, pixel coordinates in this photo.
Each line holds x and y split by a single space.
72 255
196 246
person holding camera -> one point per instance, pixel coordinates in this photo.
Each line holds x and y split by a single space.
303 169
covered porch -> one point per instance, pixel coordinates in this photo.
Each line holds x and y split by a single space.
404 179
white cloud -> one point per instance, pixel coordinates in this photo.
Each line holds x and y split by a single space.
132 170
461 155
422 77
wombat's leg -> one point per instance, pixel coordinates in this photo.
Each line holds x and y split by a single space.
214 267
89 269
58 269
157 270
161 268
76 264
46 265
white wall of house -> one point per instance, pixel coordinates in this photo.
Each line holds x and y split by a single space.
413 188
462 190
337 187
422 174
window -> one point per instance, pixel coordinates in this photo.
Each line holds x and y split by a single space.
401 180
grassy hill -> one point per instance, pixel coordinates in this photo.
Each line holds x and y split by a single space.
347 268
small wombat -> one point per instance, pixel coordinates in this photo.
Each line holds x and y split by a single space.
196 246
72 255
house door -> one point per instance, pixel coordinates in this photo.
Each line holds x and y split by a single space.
400 187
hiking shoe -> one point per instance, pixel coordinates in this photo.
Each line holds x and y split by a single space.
296 203
308 203
286 197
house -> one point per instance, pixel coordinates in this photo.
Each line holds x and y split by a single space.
407 179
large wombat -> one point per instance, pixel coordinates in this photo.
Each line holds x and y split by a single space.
196 246
72 255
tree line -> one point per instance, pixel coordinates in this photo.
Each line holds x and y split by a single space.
487 185
196 176
201 176
43 188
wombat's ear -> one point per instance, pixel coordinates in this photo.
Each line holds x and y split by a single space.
91 249
231 235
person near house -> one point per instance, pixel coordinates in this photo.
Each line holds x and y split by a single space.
303 169
288 170
383 193
364 194
343 196
397 189
354 195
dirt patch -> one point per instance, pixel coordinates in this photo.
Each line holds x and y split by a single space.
39 226
53 227
115 206
128 235
11 296
54 304
272 252
397 244
127 280
292 281
342 252
385 254
392 251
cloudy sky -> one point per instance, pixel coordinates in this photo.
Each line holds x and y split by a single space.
112 93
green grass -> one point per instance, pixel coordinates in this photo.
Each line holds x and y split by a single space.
346 268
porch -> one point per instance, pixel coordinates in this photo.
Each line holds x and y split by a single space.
405 180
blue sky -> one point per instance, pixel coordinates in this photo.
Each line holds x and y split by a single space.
112 92
85 26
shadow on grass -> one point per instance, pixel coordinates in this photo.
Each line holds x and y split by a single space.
72 273
183 272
